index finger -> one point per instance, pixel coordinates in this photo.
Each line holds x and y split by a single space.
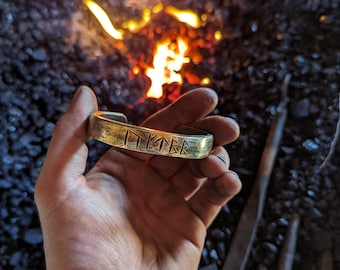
189 108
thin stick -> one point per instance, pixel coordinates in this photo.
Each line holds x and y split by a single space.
247 227
325 260
288 249
333 143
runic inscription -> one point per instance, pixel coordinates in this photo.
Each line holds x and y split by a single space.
163 143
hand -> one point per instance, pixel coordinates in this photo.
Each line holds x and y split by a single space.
132 210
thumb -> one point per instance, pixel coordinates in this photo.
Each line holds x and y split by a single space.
67 153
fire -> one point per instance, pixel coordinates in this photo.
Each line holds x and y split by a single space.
103 19
168 60
186 16
134 26
170 53
205 81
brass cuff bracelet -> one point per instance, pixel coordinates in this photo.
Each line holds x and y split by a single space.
112 128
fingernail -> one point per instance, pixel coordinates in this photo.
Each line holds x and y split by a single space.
219 156
76 96
236 127
234 175
237 181
230 186
85 97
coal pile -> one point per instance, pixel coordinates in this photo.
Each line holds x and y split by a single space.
43 61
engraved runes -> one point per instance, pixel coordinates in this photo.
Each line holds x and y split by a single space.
175 147
158 143
133 138
184 148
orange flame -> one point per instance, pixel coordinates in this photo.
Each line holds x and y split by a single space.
168 60
186 16
103 19
135 26
169 55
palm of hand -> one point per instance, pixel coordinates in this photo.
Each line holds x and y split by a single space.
137 216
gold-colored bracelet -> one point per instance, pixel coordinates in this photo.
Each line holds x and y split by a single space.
112 128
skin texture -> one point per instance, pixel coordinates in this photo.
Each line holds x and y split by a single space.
132 210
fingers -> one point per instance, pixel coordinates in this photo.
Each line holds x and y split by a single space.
224 129
190 107
189 178
67 153
209 199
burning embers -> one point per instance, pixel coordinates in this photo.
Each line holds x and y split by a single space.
168 60
174 42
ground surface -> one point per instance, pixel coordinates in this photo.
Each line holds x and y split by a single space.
42 62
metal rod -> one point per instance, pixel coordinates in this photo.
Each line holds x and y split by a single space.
246 230
288 250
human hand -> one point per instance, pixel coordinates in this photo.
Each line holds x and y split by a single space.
132 210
